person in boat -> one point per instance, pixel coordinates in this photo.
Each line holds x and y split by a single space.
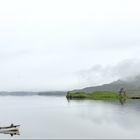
122 91
12 124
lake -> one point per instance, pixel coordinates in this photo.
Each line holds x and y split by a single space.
54 117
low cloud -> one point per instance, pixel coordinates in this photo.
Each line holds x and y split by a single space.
99 74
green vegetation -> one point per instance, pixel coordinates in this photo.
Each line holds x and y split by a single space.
98 95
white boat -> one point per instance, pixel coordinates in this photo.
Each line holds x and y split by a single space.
9 128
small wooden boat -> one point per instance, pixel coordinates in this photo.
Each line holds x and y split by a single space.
9 128
12 133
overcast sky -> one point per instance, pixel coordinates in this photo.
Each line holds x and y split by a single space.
67 44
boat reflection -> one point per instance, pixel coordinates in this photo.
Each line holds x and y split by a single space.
12 133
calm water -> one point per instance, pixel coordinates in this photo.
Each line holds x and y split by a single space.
54 117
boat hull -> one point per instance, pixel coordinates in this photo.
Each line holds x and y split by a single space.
9 129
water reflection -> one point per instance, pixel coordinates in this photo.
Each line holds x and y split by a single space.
122 101
58 118
123 113
12 133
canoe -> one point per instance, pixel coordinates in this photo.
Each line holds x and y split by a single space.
9 128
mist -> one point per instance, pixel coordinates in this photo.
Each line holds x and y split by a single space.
126 70
44 44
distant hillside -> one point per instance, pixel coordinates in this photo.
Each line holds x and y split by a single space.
27 93
52 93
132 86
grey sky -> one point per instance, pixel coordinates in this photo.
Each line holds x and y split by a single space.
50 44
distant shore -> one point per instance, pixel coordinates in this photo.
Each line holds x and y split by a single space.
30 93
98 95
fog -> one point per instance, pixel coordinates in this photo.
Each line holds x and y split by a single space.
62 45
98 74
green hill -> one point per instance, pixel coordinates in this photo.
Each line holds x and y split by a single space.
132 87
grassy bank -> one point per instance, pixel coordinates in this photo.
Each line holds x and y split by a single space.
98 95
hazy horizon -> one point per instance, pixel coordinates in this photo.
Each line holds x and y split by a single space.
60 45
